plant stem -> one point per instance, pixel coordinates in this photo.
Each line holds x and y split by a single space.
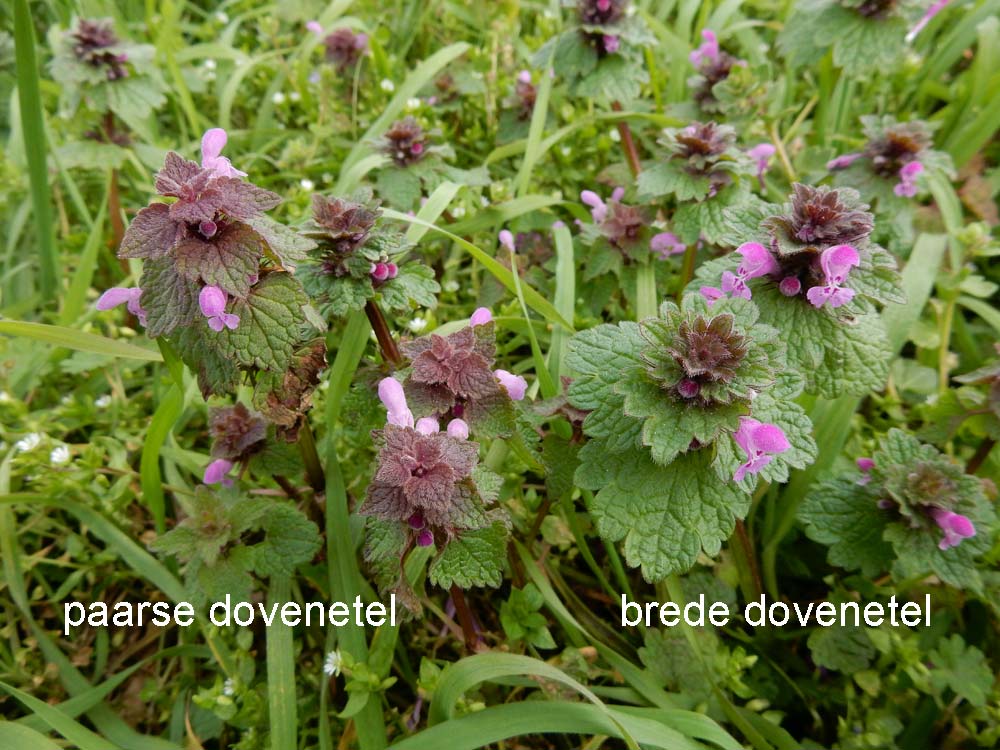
465 618
387 345
628 143
314 468
980 455
114 195
746 561
687 268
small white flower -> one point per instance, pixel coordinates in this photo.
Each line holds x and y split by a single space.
209 64
327 177
295 96
221 17
278 98
614 135
417 324
28 443
452 286
306 184
458 212
332 664
387 85
228 687
103 402
566 150
59 455
5 397
413 103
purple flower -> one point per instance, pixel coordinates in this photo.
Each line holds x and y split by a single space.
790 286
390 393
458 428
507 240
955 526
757 261
425 538
315 27
865 466
666 244
711 294
212 144
611 43
844 161
708 50
932 11
836 262
215 472
212 302
121 295
515 385
481 316
761 442
762 152
598 209
524 76
907 186
427 426
380 271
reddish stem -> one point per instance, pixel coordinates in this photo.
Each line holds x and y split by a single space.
628 143
465 618
980 455
390 350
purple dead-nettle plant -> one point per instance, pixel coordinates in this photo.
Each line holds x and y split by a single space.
702 171
238 434
405 142
357 259
344 48
93 65
815 273
920 511
713 66
453 377
523 100
128 296
619 235
894 156
429 491
216 282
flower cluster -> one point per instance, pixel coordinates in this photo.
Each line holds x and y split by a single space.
95 44
602 14
405 142
713 65
238 433
453 376
525 94
624 227
344 48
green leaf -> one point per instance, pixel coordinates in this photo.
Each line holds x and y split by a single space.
962 668
270 320
228 262
667 178
415 285
847 649
169 299
76 733
667 515
72 338
292 539
473 558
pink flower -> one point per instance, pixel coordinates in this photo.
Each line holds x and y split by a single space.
427 426
790 286
843 162
757 261
708 50
611 43
458 428
598 209
932 11
955 526
425 538
762 153
666 244
761 442
514 384
212 144
836 262
481 317
215 472
865 466
212 302
123 295
711 294
380 271
315 27
390 393
507 240
907 185
524 76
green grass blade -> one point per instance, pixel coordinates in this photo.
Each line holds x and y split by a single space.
984 310
493 216
73 731
79 341
565 297
18 737
436 205
75 301
166 414
281 671
33 133
540 113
